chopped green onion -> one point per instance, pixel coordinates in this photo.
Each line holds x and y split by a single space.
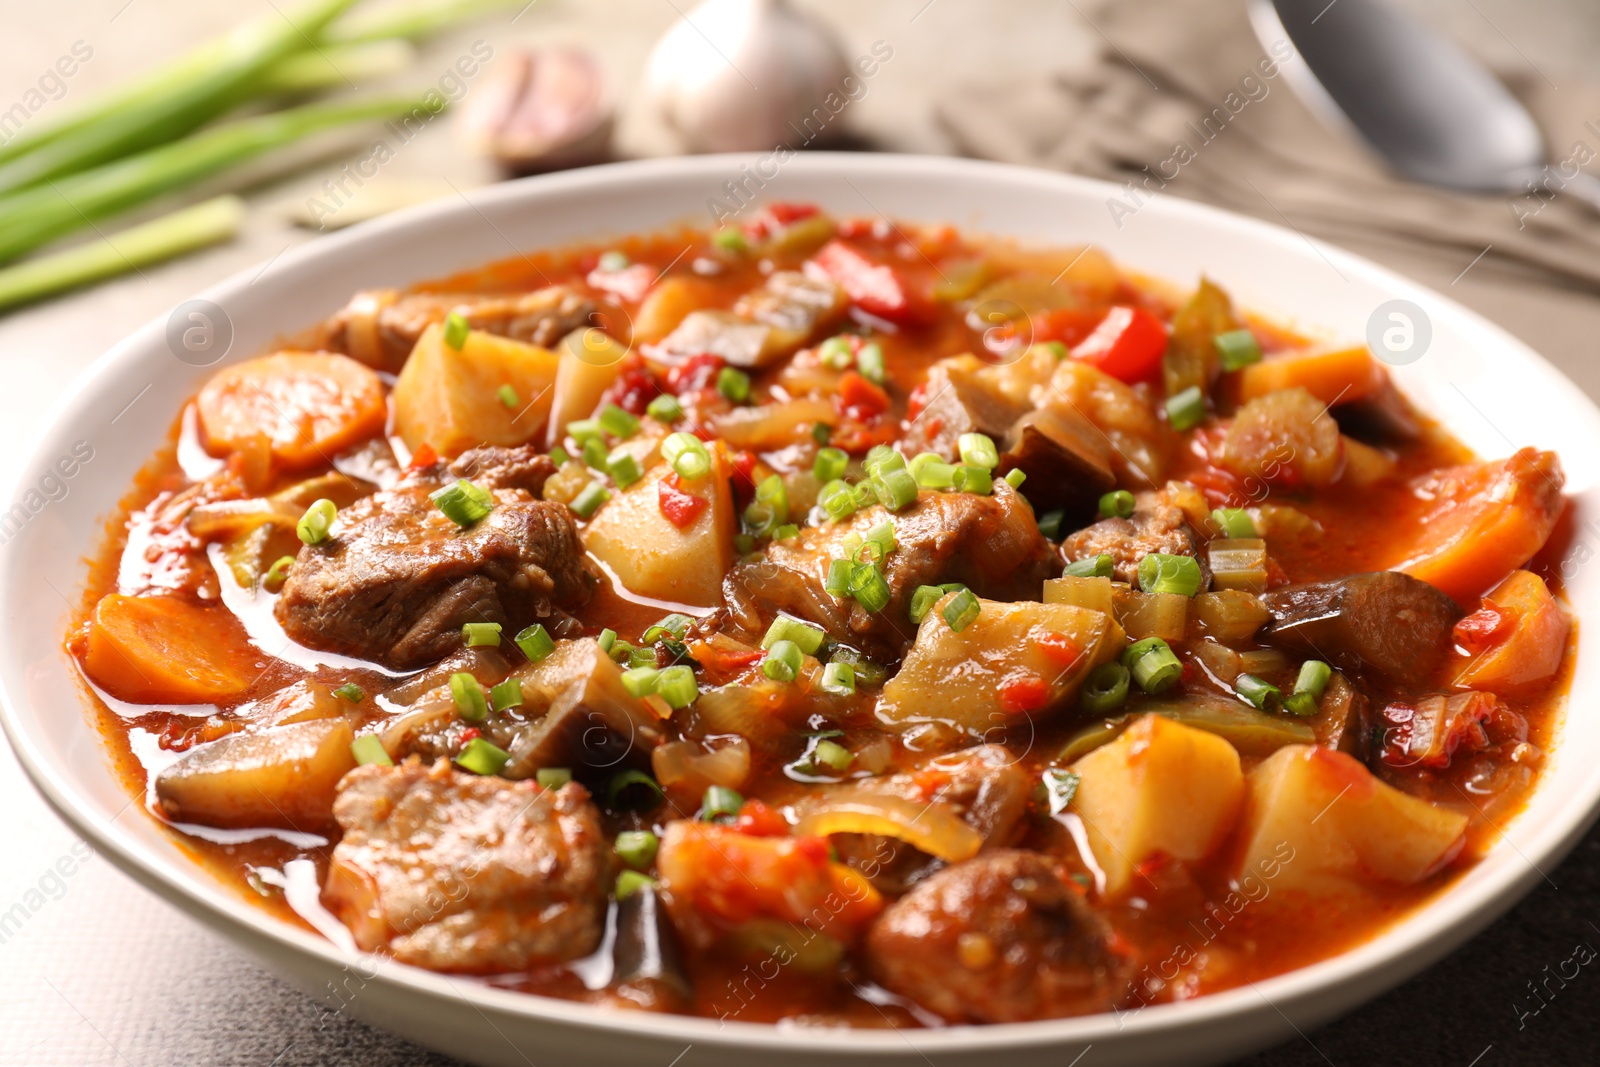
869 361
455 330
1050 524
805 635
535 642
868 587
613 261
677 686
730 239
733 384
1233 522
636 848
630 882
552 777
896 488
314 525
675 626
1161 572
962 610
840 571
786 531
1186 409
481 634
838 499
832 755
594 452
1258 692
772 492
665 408
1015 477
352 692
687 454
607 638
468 696
975 480
480 757
1237 349
581 430
1302 704
623 467
835 352
1105 689
1313 678
618 422
783 661
821 433
882 457
839 679
369 749
641 681
882 534
560 456
720 802
588 501
1101 566
1060 786
642 657
830 464
277 574
932 472
923 600
1153 665
632 790
463 503
508 397
508 694
620 651
866 672
978 450
865 495
1117 504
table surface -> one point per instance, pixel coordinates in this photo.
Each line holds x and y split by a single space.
106 973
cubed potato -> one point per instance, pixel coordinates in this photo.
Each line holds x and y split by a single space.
284 776
1321 822
668 304
450 398
651 556
1533 649
978 679
1159 788
588 361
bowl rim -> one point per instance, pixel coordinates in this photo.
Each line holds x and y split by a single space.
1400 949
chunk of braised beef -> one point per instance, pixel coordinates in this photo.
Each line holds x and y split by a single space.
379 327
397 578
456 872
1383 621
1156 525
999 938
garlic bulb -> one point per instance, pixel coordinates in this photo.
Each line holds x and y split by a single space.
742 75
540 110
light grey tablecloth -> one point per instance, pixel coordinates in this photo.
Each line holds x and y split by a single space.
101 972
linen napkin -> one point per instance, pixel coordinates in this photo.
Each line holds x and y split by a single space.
1180 94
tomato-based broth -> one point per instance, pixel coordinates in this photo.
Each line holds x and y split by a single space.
827 620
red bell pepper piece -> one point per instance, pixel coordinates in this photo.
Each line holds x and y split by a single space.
861 399
1128 344
873 287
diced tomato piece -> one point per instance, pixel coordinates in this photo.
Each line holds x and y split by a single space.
678 507
1484 627
471 733
1022 693
775 217
696 372
1067 325
1128 344
1061 649
424 456
744 474
633 389
759 820
631 283
861 398
873 287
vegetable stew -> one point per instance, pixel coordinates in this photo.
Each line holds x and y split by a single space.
829 620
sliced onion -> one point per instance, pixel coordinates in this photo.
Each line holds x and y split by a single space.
687 767
931 828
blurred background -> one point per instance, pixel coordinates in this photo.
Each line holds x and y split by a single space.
194 188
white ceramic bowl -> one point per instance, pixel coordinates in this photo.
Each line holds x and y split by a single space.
1490 389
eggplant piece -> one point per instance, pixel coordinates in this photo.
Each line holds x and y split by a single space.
591 720
1385 621
645 950
488 665
1342 720
959 403
1066 459
1382 417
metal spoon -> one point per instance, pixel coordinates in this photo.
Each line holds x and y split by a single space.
1432 112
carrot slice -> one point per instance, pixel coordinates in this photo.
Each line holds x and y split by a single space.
161 649
1336 377
1530 648
1487 520
308 405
